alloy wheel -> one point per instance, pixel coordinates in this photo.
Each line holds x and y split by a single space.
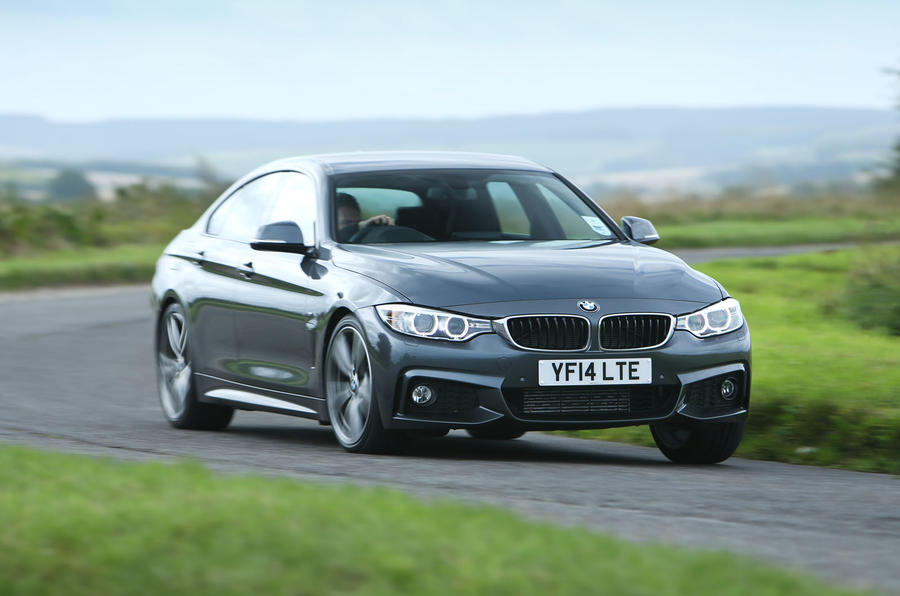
174 365
348 381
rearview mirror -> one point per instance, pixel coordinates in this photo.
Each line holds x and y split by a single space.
282 236
639 229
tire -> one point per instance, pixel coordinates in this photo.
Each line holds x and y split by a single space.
350 393
175 378
496 432
708 443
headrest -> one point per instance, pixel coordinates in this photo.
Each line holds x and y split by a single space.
427 220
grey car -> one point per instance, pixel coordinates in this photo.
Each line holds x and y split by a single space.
392 295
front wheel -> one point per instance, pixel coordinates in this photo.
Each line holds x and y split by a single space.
350 393
699 443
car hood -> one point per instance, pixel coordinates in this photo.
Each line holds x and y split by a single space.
453 274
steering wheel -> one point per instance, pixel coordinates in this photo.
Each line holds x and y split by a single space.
377 233
361 233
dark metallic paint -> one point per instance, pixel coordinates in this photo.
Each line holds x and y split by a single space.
265 329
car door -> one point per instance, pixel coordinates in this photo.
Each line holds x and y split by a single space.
211 288
276 324
219 251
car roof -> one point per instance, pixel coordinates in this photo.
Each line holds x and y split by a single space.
369 161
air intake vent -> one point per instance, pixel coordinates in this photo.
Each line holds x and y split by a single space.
549 332
633 332
614 402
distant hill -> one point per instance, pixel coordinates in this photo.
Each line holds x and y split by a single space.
648 147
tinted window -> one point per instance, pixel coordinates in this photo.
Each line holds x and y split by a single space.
462 205
238 218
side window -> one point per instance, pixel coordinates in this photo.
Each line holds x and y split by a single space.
513 219
295 200
239 216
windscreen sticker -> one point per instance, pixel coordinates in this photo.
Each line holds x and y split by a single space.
596 224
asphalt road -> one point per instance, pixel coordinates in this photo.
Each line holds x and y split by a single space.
76 374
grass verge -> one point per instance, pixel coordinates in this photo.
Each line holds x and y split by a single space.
75 525
825 391
120 264
784 232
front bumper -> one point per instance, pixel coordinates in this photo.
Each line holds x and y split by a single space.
486 379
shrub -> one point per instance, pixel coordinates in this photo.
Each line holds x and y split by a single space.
138 215
872 297
71 185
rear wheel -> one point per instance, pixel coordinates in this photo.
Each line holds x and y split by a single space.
175 379
708 443
496 432
350 393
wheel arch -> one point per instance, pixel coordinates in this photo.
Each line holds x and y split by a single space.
339 313
168 299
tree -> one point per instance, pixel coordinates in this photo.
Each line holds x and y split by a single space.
894 174
892 181
71 185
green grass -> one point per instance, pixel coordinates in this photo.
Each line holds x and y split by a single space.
804 350
79 526
120 264
780 232
825 391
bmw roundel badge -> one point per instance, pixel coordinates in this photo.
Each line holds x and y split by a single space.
587 306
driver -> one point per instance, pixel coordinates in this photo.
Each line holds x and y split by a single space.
349 217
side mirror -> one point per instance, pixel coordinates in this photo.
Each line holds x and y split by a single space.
282 236
639 229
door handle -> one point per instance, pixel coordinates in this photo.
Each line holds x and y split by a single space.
196 254
246 269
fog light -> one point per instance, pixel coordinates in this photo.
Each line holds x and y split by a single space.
423 395
728 388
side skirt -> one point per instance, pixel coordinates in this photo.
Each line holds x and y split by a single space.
246 397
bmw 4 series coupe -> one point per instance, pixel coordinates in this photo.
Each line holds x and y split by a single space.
395 294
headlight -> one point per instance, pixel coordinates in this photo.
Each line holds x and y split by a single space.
717 319
433 324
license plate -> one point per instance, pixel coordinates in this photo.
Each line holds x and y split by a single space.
606 371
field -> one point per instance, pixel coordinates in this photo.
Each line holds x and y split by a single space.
803 230
88 265
825 391
737 219
79 526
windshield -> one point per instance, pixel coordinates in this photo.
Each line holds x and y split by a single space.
461 205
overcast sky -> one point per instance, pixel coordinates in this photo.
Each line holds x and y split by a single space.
83 60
